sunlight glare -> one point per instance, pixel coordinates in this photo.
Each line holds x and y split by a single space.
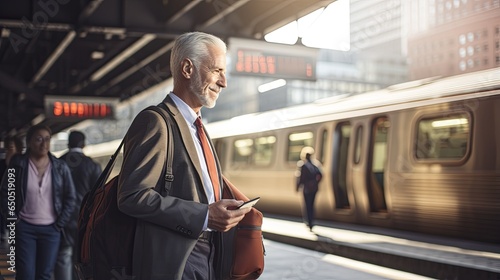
326 28
287 34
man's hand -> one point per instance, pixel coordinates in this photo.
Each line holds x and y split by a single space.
220 216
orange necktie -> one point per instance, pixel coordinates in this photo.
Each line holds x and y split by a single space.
209 158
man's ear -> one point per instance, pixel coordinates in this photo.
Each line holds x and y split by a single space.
187 68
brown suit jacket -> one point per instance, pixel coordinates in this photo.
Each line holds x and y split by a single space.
168 226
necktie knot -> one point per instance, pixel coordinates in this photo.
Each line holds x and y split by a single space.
198 122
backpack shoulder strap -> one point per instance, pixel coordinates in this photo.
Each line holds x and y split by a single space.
169 176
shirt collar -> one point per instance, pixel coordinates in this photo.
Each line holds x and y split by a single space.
76 149
187 112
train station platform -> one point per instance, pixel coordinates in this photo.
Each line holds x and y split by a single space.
431 256
426 255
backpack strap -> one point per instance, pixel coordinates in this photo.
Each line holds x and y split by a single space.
169 176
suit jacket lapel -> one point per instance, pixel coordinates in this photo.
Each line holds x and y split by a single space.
186 137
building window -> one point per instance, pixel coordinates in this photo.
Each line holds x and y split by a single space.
462 39
462 65
462 52
470 50
470 36
470 63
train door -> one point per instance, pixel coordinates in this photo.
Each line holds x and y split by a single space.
341 141
377 165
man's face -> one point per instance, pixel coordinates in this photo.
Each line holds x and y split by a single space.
208 81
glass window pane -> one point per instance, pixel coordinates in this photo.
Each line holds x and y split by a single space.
242 151
264 150
296 141
443 137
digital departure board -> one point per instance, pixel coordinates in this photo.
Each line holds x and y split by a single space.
68 108
258 58
254 62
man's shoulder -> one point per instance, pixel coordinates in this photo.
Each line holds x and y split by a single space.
79 156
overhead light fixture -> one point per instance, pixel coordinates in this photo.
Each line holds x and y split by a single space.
97 55
271 85
122 57
450 122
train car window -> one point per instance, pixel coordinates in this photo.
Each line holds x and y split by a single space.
264 147
341 141
443 137
357 148
297 141
242 151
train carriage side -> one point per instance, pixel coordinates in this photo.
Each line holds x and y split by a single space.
443 169
263 164
429 165
431 169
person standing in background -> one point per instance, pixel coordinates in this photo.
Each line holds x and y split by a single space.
85 173
308 176
13 145
44 200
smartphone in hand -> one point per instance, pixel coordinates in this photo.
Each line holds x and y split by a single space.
249 203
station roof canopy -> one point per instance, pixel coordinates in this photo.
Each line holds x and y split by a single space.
111 48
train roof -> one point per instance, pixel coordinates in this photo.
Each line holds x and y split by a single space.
397 97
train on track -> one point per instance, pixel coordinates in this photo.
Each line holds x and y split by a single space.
422 156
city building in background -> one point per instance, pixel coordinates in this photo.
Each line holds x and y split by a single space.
453 37
378 38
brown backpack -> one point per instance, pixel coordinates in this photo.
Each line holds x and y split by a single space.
105 234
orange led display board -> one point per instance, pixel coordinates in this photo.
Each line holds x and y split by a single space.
259 58
67 108
261 63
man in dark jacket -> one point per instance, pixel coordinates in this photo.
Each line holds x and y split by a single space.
308 177
85 173
178 233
